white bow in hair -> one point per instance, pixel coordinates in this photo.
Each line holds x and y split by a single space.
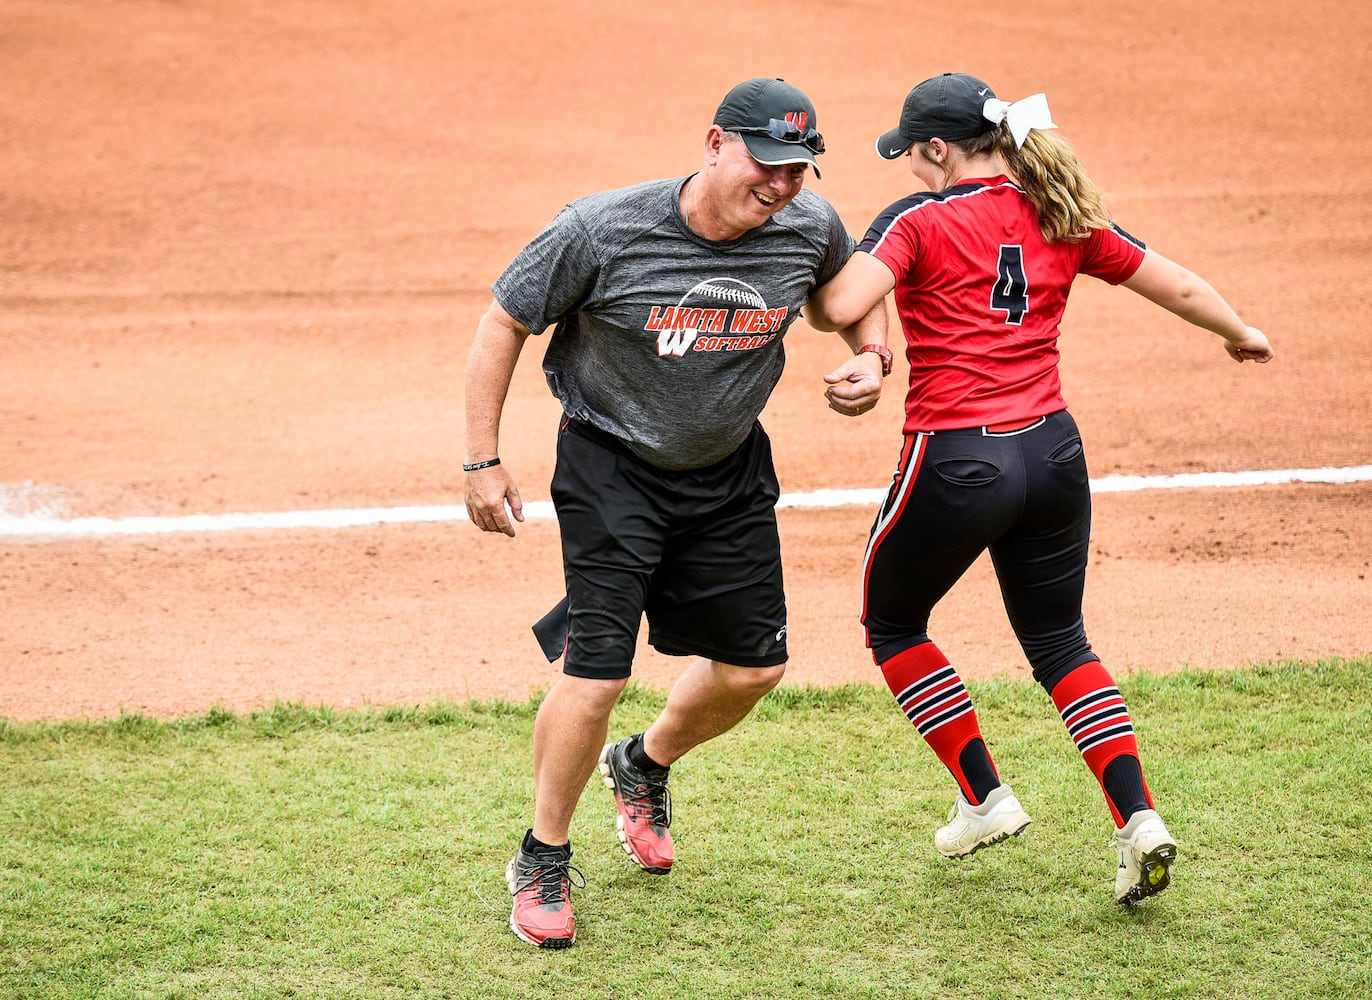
1029 113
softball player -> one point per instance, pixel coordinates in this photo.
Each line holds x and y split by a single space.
981 264
670 301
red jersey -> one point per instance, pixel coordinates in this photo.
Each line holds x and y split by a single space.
980 295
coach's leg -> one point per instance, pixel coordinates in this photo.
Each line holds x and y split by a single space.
709 699
572 725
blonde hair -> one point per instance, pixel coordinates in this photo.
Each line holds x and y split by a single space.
1068 202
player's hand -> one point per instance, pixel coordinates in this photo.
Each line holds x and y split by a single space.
1252 346
854 386
488 491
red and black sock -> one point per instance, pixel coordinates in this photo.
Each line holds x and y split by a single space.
1097 719
932 696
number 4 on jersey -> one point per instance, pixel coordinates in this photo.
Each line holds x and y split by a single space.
1011 292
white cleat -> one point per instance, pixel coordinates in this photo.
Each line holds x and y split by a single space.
970 828
1147 852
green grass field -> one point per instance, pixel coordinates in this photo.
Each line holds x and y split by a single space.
302 852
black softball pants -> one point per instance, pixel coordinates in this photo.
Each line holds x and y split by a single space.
1023 493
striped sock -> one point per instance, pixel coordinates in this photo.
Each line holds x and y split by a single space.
1097 719
932 696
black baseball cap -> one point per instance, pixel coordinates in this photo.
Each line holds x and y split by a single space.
775 119
947 107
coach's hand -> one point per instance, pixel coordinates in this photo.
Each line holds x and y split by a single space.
854 386
488 491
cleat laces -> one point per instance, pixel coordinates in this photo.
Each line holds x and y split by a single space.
549 877
650 800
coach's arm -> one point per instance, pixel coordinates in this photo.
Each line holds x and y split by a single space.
490 366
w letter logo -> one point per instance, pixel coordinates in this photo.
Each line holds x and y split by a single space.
797 120
675 342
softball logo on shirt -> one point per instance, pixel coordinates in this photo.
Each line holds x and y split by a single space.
719 314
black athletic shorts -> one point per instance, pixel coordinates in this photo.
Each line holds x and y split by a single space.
696 550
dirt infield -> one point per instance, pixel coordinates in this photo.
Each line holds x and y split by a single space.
245 247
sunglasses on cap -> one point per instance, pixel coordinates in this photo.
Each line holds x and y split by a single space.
784 131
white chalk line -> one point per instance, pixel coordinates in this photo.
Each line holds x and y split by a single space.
44 525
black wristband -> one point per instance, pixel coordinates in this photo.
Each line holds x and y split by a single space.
473 466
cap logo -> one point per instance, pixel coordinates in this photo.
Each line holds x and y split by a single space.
797 120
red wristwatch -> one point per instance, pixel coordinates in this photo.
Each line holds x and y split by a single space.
880 352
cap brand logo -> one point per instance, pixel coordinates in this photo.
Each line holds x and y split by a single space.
797 120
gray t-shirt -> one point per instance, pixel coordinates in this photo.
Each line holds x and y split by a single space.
668 341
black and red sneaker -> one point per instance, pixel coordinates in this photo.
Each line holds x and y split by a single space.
541 880
645 808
